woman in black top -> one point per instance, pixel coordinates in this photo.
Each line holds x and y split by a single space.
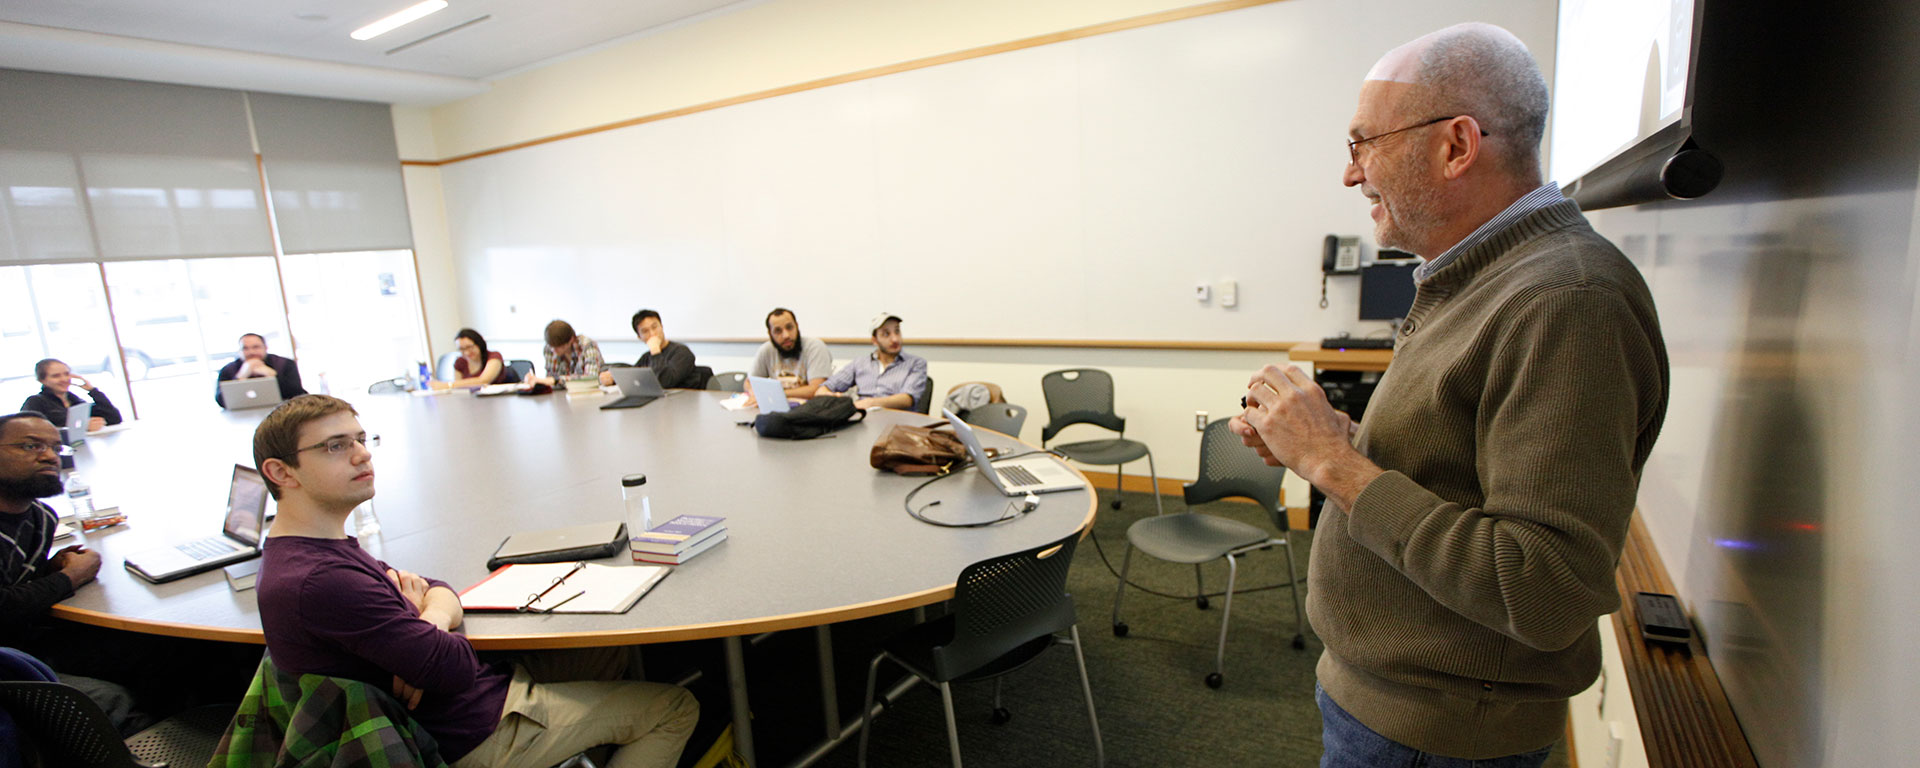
54 399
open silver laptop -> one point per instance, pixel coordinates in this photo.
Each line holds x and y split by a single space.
76 426
239 538
1038 473
241 394
769 394
638 386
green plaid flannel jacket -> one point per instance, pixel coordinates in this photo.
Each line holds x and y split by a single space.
310 721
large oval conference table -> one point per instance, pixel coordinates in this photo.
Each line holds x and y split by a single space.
814 534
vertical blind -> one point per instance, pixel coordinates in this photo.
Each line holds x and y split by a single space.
102 169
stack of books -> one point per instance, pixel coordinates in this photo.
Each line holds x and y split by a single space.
678 540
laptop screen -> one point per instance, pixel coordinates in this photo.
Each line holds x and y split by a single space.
246 505
965 432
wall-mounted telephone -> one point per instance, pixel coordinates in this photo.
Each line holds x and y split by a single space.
1340 256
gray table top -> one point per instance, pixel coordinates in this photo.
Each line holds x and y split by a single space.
814 534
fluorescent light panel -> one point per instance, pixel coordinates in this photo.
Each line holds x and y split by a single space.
390 23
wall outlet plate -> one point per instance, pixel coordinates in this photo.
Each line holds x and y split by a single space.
1199 421
1202 292
1229 293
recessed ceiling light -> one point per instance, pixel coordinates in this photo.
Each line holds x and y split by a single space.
390 23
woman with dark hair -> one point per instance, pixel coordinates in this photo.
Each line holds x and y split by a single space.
53 399
476 367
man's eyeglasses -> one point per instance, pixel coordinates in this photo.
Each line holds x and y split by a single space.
1353 145
338 446
35 447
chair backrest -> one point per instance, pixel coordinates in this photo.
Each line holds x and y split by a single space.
923 400
523 367
443 369
1005 418
387 386
731 381
1005 602
68 728
702 376
1079 396
1229 468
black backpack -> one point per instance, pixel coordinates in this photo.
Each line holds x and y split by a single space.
810 419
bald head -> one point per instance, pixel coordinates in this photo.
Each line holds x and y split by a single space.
1479 70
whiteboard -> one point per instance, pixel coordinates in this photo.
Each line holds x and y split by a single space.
1079 190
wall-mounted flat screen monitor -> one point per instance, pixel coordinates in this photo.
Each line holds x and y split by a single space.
1386 291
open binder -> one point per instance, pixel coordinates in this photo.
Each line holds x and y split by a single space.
562 588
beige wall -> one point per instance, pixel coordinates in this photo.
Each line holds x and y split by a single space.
755 48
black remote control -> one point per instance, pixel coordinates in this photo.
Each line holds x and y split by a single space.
1661 619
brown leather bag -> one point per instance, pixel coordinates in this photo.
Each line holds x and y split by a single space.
909 450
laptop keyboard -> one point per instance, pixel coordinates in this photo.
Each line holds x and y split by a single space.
1017 475
206 549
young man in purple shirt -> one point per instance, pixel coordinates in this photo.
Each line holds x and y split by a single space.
329 608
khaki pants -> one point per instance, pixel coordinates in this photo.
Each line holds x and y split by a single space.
545 723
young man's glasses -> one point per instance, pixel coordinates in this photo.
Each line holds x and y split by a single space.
1353 145
338 446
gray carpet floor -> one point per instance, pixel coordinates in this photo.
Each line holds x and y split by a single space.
1154 706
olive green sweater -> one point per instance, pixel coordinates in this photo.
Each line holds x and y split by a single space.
1459 598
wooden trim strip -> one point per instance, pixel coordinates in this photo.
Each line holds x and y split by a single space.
1162 17
1198 346
1685 718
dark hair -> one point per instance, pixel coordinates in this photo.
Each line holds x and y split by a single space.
278 436
40 368
558 333
777 311
263 339
642 315
9 418
474 336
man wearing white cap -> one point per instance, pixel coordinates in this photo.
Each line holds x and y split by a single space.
888 378
1467 548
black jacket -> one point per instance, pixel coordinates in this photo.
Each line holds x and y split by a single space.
50 404
673 366
285 370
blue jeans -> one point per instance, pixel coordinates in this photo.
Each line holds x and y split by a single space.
1346 743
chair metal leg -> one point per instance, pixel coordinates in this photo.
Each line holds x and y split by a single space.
1159 508
1119 480
1299 624
1218 677
1199 589
866 710
1120 590
953 729
1086 687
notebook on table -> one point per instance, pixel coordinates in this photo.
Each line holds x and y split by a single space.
562 588
1039 473
574 542
239 538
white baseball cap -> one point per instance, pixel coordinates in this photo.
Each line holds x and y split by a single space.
881 319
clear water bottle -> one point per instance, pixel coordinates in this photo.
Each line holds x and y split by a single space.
426 377
639 511
80 495
366 524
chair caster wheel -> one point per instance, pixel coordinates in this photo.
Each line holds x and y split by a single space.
1120 629
1000 716
1299 642
1215 680
1116 503
1201 602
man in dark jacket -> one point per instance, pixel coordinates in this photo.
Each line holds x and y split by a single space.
254 362
671 361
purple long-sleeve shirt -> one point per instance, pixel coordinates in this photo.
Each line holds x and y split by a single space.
328 608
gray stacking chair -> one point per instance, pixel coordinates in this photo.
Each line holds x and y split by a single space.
1227 469
443 368
1085 396
923 400
523 367
731 381
1005 418
1005 612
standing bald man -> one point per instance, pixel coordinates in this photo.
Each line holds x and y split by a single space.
1473 523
